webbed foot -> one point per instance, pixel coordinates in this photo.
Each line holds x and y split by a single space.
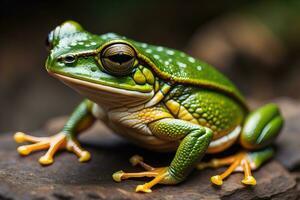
161 175
240 162
53 143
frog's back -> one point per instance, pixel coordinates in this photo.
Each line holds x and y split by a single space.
173 65
177 66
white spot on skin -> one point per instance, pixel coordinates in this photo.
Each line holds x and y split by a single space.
170 60
167 63
73 44
149 50
93 43
144 45
156 56
111 35
104 37
170 52
182 54
159 48
192 60
180 64
87 45
81 43
199 68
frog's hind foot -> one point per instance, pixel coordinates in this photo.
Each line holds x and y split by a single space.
236 163
242 161
161 175
53 144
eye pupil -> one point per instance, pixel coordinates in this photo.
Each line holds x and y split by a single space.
120 58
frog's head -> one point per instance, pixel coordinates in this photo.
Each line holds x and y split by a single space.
105 69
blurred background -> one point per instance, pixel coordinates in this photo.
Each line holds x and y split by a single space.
256 43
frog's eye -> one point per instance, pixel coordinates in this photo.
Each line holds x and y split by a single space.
118 59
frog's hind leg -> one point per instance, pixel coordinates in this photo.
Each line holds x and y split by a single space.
194 143
260 129
242 161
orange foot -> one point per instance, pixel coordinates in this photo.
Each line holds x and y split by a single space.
238 162
53 143
160 174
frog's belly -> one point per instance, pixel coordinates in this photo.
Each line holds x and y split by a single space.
147 141
136 130
152 142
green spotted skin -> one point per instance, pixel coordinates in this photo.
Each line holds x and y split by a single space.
168 64
200 105
214 110
190 151
171 64
195 141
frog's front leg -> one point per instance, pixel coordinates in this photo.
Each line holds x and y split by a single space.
194 143
80 120
260 129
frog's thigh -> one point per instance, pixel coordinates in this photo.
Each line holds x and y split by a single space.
195 141
261 127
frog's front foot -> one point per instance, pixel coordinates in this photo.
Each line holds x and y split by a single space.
53 143
161 175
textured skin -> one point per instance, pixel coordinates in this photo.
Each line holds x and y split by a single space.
192 147
168 64
190 151
166 98
210 109
80 119
173 65
172 129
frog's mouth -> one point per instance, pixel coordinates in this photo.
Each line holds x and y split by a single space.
105 95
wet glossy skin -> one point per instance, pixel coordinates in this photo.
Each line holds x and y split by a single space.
159 98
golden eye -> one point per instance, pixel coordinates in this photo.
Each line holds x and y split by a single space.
118 59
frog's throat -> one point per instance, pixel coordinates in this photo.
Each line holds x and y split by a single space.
107 97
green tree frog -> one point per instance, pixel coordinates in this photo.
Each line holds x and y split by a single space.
160 99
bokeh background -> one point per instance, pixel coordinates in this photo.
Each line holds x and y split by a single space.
256 43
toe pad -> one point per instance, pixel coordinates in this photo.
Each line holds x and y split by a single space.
217 180
117 176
